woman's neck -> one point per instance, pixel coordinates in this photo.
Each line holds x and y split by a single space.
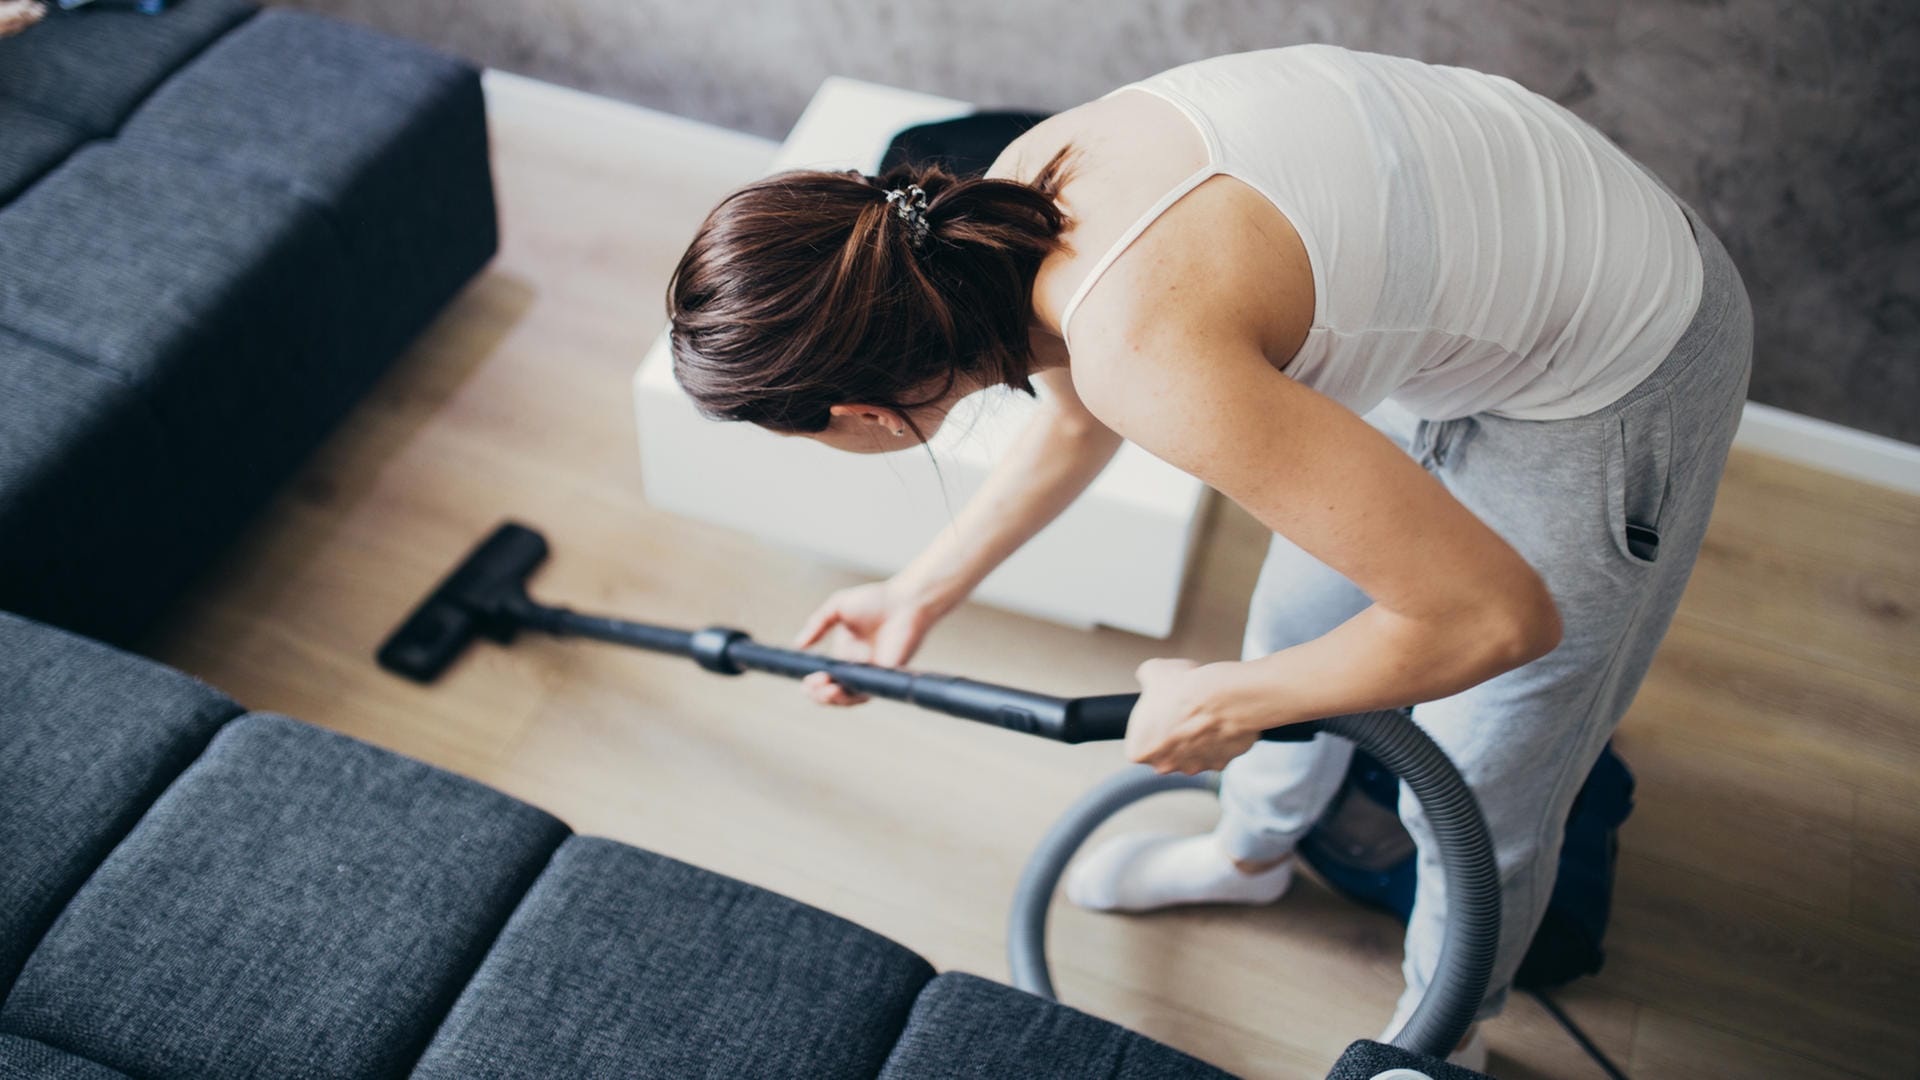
1048 349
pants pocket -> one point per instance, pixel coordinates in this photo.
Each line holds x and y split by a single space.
1639 462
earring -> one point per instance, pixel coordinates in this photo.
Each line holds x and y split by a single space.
899 432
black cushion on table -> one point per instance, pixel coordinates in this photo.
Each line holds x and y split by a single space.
89 737
621 962
965 145
28 1059
297 903
89 68
967 1028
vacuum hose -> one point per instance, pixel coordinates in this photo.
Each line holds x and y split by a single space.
1466 855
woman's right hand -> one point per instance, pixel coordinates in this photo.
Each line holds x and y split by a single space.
881 623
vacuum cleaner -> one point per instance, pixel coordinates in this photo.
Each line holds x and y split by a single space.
486 597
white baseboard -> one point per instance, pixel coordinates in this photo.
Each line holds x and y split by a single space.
1825 445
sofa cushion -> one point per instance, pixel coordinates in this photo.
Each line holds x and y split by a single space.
89 737
363 126
297 903
186 282
221 302
212 294
966 1028
77 76
78 446
27 1059
31 145
90 68
626 963
286 203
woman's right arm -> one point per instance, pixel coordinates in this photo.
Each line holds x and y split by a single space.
1050 463
1054 458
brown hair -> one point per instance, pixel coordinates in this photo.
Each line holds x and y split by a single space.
807 290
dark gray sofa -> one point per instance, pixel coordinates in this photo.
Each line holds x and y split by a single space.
217 227
192 890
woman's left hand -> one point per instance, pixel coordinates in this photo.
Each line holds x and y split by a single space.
1179 725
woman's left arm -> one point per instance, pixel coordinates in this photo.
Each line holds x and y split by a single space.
1453 604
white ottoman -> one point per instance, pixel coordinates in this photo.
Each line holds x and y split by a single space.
1116 558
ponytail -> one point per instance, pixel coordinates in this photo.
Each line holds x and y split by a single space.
809 289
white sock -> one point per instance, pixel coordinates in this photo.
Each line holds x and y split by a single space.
1145 871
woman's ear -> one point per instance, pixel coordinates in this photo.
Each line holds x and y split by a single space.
888 421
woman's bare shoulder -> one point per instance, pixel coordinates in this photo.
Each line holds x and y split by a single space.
1122 158
1207 256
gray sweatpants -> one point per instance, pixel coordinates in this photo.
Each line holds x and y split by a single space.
1610 509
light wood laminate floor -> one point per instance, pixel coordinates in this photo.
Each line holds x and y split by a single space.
1770 879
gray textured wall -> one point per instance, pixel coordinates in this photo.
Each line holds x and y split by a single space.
1791 124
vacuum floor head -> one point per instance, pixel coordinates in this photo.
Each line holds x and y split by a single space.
485 595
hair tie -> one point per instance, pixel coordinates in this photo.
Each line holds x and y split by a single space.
911 204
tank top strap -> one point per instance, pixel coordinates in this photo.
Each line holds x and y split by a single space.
1152 213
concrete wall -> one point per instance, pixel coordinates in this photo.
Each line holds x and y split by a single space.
1793 125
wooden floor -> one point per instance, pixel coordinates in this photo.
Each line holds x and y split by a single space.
1770 881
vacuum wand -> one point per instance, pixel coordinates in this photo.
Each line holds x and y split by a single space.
726 651
486 596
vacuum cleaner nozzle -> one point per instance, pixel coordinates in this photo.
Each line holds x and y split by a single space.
486 595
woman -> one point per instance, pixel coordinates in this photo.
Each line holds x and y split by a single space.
1231 264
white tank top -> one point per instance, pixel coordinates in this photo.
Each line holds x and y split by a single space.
1475 247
